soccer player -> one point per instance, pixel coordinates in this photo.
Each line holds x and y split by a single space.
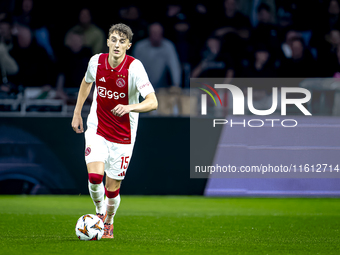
113 119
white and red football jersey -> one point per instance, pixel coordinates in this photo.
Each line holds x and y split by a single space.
120 85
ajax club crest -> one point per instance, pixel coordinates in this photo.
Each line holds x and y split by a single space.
120 81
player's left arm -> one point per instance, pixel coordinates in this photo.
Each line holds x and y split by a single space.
149 104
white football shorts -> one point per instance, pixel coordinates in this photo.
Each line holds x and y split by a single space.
115 156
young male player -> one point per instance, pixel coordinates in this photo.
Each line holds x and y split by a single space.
113 119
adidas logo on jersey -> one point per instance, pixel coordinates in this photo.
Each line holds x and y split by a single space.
122 174
102 79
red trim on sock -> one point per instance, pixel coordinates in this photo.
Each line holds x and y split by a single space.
111 194
95 178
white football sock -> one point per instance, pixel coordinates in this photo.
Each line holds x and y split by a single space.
97 195
112 205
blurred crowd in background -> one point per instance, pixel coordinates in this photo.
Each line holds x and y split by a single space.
48 44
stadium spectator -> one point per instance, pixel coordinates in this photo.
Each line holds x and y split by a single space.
34 63
333 18
328 20
197 19
264 15
8 66
327 54
261 64
284 18
286 46
214 64
6 37
159 57
232 20
265 32
26 14
333 40
302 13
174 20
131 16
234 29
94 36
178 27
161 62
72 63
32 17
301 64
336 74
177 30
250 8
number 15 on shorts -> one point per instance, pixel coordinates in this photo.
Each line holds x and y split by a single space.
125 162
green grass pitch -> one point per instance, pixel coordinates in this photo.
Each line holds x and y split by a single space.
173 225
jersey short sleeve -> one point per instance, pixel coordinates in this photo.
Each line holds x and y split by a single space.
90 75
141 78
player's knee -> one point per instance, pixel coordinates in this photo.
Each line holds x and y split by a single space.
95 178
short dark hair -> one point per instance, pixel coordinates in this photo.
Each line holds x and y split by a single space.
263 6
121 29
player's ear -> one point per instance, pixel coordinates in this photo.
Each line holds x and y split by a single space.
129 46
107 42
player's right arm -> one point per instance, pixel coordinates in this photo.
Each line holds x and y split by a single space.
84 91
77 121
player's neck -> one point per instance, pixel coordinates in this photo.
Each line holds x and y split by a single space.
114 62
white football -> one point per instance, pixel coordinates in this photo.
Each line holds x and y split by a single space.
89 227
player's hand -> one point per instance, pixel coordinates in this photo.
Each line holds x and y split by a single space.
77 124
120 110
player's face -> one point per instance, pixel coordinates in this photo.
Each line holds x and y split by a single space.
118 45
